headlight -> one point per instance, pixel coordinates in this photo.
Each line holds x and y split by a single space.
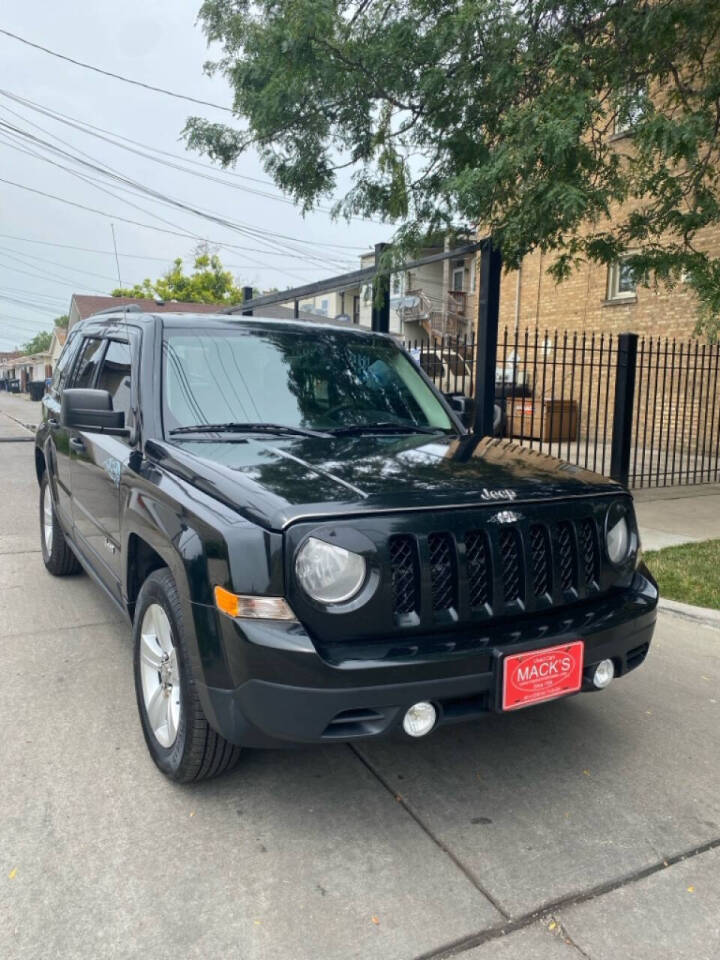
328 573
617 534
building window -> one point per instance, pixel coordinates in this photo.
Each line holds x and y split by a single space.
458 279
324 306
396 284
629 110
622 281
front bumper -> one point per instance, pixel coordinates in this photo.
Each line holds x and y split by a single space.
290 694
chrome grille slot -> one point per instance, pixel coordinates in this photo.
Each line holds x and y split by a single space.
477 561
510 565
441 548
566 556
589 551
404 566
540 560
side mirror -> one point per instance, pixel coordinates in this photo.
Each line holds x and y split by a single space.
90 410
461 405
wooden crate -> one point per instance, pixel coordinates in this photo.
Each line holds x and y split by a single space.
548 420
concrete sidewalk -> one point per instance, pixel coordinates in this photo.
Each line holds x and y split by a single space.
673 515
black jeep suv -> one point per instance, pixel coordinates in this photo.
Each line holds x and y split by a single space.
311 547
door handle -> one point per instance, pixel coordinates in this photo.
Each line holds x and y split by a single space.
77 444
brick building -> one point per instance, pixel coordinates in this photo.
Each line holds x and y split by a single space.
598 298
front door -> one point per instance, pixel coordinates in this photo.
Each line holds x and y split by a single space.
98 462
58 444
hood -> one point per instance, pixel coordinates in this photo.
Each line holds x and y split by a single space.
275 482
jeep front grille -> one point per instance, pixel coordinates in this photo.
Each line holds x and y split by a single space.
501 569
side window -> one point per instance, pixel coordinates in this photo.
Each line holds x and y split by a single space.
65 362
115 375
88 363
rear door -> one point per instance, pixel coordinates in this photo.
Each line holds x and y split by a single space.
98 462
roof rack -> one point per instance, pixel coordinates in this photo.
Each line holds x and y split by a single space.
130 308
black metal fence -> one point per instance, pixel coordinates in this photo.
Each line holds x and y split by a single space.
560 395
676 415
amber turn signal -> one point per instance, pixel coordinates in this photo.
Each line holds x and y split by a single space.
256 608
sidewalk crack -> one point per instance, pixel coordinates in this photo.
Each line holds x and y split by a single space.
427 830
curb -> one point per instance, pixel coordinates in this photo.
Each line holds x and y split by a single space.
705 615
27 426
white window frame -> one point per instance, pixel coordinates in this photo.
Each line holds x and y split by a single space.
453 275
614 293
625 125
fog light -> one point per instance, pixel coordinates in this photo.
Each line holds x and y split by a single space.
420 719
604 672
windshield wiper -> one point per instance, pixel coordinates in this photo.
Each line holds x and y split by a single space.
384 427
277 428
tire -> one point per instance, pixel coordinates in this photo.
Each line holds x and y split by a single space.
180 740
57 556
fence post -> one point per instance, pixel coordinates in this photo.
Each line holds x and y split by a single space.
381 296
487 337
623 409
247 295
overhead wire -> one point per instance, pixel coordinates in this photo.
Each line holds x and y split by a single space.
134 256
115 76
165 201
156 155
108 171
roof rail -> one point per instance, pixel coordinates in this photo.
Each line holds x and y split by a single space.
130 308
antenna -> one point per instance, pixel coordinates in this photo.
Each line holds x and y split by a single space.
117 259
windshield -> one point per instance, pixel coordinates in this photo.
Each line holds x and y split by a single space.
314 380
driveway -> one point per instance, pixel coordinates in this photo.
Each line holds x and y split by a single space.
587 828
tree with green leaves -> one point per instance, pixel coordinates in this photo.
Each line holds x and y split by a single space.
208 283
506 114
62 321
40 343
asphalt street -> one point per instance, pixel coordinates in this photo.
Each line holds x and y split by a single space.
585 828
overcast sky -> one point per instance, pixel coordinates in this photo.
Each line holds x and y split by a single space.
157 42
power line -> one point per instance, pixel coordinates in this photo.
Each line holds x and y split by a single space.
142 256
18 254
117 217
66 281
115 76
127 182
112 138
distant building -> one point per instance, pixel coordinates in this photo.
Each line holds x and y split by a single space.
56 344
427 302
83 306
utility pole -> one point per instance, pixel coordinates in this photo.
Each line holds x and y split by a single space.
117 259
381 296
247 295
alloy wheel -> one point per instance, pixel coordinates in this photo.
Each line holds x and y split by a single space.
160 675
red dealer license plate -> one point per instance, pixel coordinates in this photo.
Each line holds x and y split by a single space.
538 675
